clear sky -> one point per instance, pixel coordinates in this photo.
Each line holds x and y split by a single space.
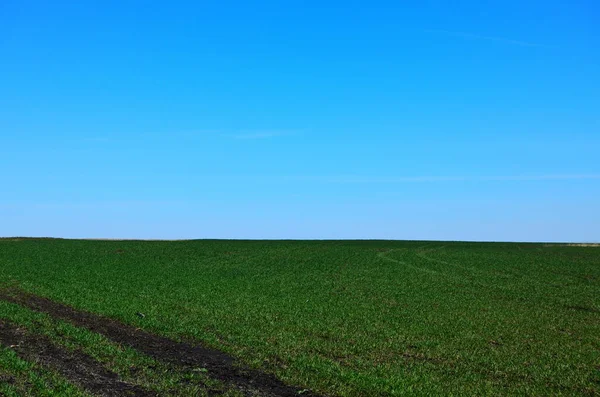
451 120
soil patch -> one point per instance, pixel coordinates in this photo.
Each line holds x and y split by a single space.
77 367
218 365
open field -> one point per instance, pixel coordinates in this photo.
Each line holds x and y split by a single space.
283 318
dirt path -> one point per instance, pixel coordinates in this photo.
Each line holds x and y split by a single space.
219 365
77 367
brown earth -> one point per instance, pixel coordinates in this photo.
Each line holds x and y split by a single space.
218 365
77 367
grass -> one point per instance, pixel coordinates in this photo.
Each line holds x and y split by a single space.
22 378
130 365
343 318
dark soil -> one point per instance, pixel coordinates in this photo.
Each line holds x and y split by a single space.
219 365
77 367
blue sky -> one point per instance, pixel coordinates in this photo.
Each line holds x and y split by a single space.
464 120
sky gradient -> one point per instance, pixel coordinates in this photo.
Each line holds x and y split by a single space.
431 120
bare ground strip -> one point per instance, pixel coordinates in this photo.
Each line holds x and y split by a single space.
219 365
77 367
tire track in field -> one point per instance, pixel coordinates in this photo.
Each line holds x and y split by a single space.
448 276
474 272
219 365
521 279
422 254
383 255
77 367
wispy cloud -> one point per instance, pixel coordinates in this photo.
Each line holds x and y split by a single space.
259 134
434 179
192 134
474 36
550 177
98 139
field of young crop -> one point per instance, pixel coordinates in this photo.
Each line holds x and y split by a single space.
308 318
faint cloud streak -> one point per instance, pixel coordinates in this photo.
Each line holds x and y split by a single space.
487 38
351 179
259 135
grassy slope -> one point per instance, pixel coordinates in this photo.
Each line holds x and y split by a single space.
348 318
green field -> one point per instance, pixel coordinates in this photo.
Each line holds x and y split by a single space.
348 318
